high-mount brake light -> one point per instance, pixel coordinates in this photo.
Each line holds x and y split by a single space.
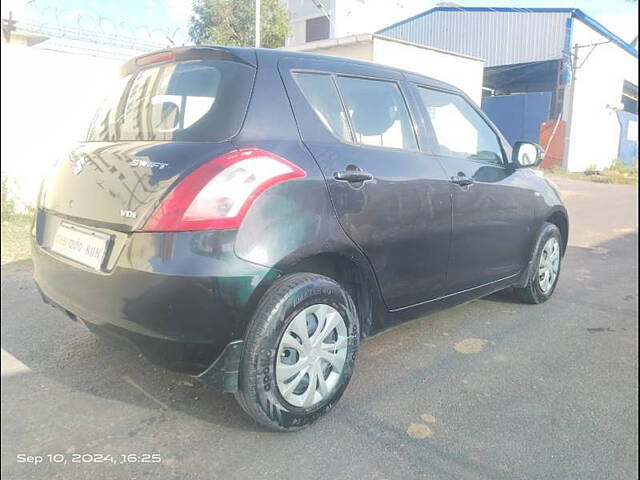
218 194
159 57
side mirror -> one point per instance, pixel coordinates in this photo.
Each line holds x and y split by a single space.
527 155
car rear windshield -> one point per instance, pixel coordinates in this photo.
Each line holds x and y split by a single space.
196 101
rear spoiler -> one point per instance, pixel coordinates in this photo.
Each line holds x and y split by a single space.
184 54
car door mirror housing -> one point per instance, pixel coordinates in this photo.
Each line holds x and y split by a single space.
527 155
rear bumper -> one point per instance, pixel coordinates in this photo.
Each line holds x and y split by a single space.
182 299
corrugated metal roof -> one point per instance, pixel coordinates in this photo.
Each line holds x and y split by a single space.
502 36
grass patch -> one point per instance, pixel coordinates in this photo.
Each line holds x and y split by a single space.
16 230
616 173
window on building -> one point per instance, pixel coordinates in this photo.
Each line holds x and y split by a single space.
378 113
317 29
322 95
629 98
458 129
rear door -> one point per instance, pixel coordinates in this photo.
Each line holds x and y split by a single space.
392 200
492 211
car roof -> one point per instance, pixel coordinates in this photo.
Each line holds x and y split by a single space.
247 54
411 76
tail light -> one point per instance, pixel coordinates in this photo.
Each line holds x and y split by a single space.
218 194
159 57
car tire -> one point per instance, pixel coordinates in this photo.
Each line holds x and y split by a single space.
544 271
275 342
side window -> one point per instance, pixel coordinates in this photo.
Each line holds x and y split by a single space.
459 130
322 95
378 113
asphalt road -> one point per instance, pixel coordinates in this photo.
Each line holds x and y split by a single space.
551 391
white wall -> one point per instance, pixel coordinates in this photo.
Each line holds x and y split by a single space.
462 72
300 11
359 50
297 34
368 16
350 16
48 99
304 9
595 129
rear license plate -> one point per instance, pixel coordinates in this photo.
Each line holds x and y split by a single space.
81 245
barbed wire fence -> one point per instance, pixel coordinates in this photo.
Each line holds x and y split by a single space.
84 26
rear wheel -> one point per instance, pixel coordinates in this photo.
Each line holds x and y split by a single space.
300 351
545 267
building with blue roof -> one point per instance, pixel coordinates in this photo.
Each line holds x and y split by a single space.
552 75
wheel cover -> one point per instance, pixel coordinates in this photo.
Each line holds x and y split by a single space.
311 356
549 265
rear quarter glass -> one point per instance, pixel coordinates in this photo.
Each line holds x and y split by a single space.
193 101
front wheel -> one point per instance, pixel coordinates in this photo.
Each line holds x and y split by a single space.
545 267
300 350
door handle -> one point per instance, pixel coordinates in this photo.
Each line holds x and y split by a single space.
462 180
352 176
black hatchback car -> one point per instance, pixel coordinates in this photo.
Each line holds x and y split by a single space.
248 216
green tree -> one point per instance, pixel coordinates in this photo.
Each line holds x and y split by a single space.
232 22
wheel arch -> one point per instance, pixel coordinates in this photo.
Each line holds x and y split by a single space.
351 273
557 217
560 219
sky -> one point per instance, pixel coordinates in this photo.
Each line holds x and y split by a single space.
157 19
148 19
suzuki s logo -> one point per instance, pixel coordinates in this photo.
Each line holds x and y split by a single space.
128 214
79 164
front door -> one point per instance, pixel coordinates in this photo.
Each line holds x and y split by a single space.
391 200
492 213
